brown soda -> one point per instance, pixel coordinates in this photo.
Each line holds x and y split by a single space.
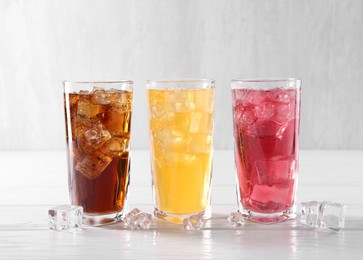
98 134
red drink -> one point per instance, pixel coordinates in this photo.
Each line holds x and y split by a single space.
266 132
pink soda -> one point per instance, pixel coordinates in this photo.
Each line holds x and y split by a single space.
266 117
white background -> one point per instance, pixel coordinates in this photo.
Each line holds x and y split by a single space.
44 42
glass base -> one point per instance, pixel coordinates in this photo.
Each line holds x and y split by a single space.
269 218
178 219
101 220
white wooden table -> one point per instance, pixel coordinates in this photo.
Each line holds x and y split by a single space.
32 182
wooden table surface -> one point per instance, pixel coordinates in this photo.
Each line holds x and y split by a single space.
32 182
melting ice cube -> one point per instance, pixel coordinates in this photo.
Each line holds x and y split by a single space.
194 222
65 217
331 216
323 215
236 219
310 213
136 219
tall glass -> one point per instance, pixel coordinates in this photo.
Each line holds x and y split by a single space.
98 120
181 142
266 116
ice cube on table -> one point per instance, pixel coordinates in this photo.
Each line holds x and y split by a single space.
194 222
331 216
323 215
236 219
65 218
310 213
136 219
129 216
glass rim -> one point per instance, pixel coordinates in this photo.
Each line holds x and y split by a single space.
264 80
123 81
180 84
181 80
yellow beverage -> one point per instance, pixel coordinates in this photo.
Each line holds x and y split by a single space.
181 127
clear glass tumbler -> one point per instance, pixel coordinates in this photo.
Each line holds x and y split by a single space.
98 119
266 116
181 141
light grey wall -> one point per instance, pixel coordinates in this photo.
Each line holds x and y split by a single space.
44 42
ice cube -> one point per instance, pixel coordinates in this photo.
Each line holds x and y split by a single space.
115 146
65 217
200 144
310 213
73 99
331 216
204 100
278 194
184 101
137 219
167 140
254 97
130 216
279 96
121 102
275 171
323 215
244 114
182 159
86 108
100 96
236 219
264 111
92 135
284 113
118 124
92 165
194 222
201 122
194 122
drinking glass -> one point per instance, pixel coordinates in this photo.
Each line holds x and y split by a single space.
181 146
266 116
98 119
